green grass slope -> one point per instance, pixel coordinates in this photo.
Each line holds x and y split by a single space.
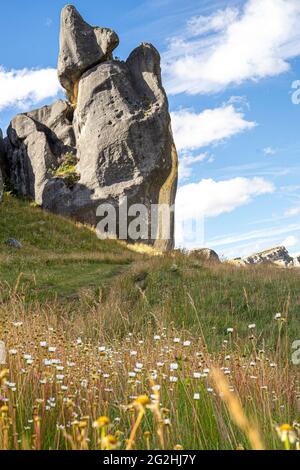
181 292
58 257
129 292
106 312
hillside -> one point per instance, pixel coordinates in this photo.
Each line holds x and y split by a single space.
96 329
58 257
64 261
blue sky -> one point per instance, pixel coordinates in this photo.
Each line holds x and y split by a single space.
228 68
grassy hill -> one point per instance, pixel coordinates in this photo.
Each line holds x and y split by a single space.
93 326
58 257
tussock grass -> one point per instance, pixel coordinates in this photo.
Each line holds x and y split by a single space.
64 375
110 349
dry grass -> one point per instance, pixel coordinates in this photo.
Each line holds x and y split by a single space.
158 389
97 334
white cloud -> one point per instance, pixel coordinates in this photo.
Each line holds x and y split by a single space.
267 233
259 241
292 212
22 88
290 241
269 151
216 22
193 131
232 46
295 255
187 161
211 198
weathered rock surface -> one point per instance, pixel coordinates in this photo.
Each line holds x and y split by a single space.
81 48
122 129
2 163
1 186
206 254
37 141
278 256
2 147
118 126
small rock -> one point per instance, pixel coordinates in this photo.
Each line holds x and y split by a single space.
205 254
13 243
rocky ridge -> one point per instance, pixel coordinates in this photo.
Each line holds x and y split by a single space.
278 256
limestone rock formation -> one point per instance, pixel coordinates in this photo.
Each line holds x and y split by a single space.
81 48
2 163
297 261
1 186
111 141
278 256
2 146
206 254
37 143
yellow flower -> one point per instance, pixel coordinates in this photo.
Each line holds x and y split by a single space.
101 422
82 424
286 434
110 442
142 400
3 374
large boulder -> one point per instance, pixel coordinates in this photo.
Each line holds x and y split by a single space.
114 139
123 132
81 48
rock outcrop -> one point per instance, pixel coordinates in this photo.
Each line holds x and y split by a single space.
206 255
37 144
278 256
2 163
81 48
1 186
114 134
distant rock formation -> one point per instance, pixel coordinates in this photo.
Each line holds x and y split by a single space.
205 254
278 256
111 140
